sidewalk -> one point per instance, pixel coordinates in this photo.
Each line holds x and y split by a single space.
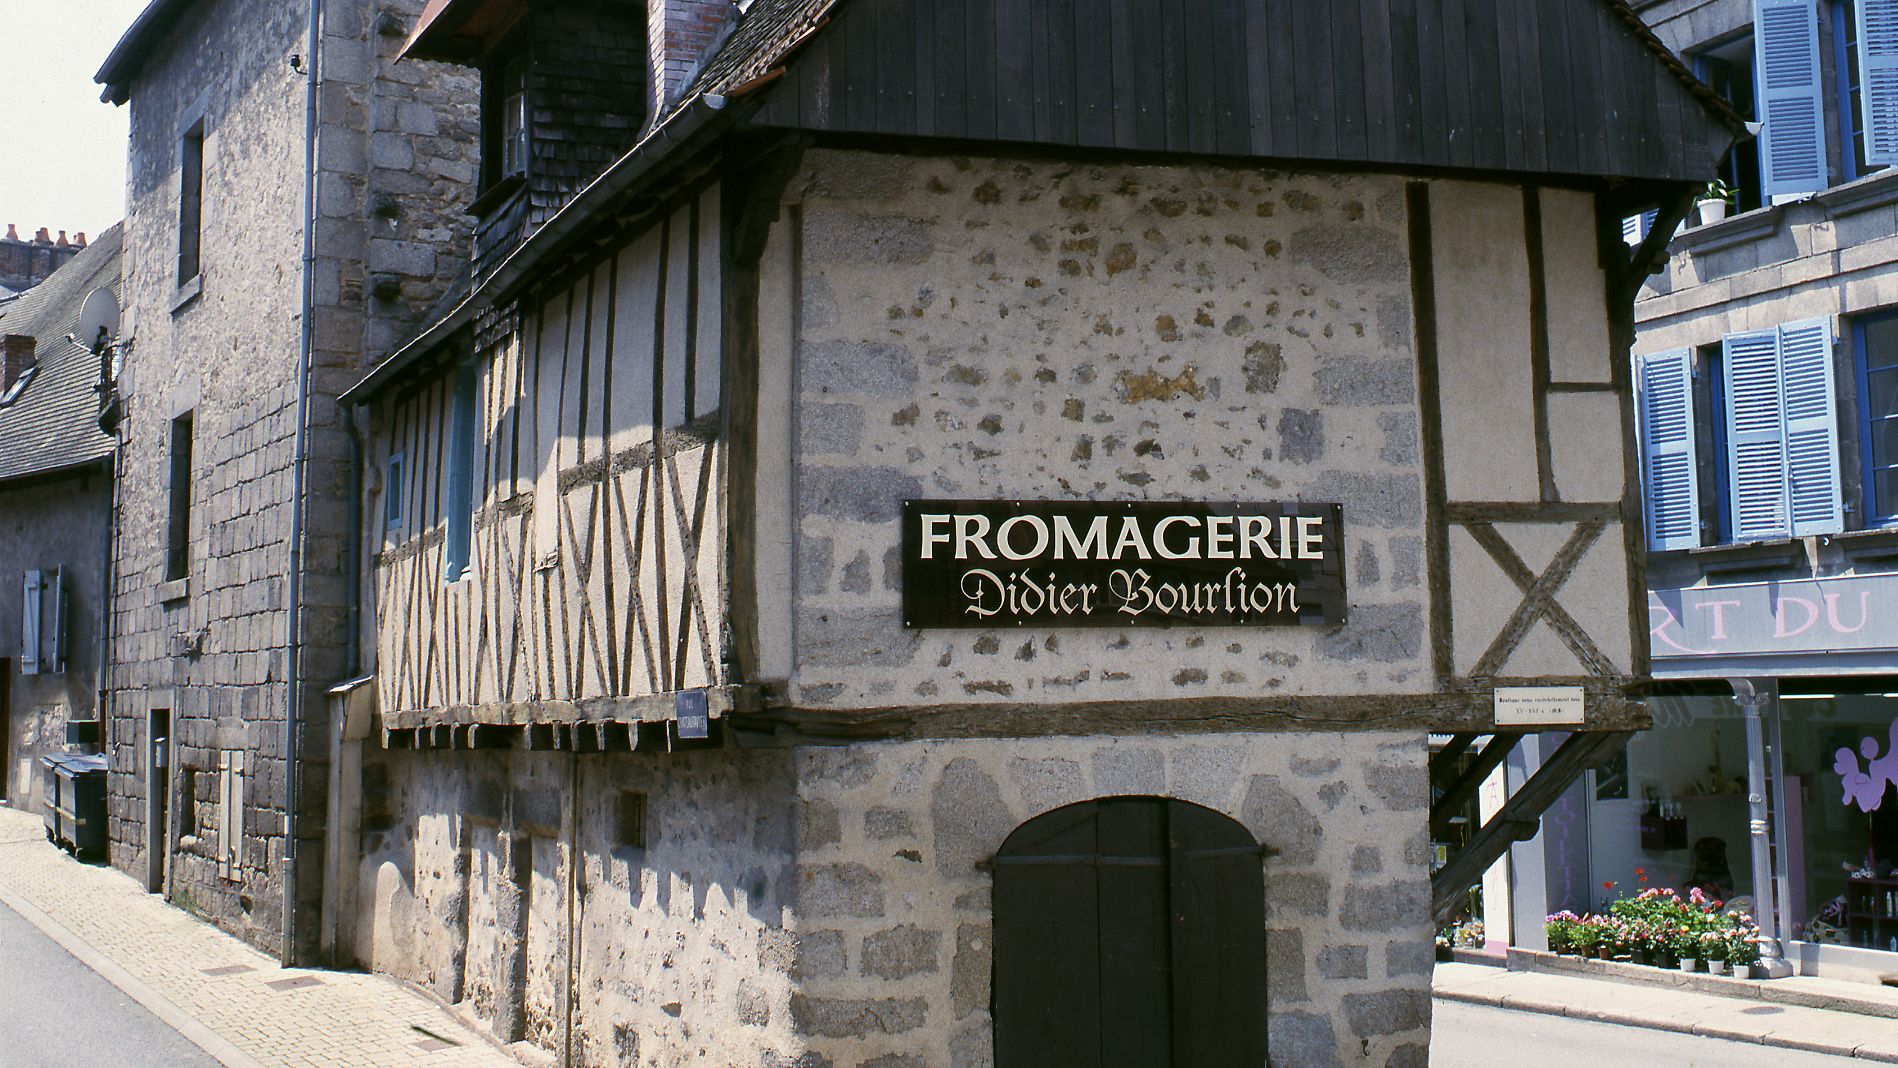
235 1003
1746 1015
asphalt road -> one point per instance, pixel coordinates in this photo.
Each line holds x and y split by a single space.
1479 1036
57 1013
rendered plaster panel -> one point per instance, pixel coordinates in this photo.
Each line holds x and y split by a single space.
1482 285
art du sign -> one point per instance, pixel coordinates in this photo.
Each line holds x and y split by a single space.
1849 613
1121 564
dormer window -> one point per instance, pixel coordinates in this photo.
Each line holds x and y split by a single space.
504 120
19 386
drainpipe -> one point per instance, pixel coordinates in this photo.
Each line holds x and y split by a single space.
352 549
294 706
1753 696
108 579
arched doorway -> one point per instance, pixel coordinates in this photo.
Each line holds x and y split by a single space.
1129 931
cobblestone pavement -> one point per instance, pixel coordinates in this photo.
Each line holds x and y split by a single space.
233 1001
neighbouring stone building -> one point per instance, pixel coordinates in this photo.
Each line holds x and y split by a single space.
55 506
293 204
1768 369
659 757
26 263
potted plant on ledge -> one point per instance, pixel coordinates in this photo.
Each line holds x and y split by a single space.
1714 201
1713 949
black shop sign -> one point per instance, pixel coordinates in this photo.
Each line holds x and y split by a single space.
1121 564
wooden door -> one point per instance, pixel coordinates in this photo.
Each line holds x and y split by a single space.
1130 933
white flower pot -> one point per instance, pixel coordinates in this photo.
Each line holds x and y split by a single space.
1690 964
1717 967
1711 211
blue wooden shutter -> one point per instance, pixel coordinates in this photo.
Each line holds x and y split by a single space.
30 624
1878 78
1812 436
458 495
1670 490
1786 72
1756 436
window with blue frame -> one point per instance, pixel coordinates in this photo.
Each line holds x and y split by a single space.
458 495
1761 408
1875 339
1727 67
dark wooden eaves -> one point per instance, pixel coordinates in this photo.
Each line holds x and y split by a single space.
1563 87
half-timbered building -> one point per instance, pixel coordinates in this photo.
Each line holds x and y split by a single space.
671 750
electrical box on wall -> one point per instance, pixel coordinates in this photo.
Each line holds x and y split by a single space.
45 604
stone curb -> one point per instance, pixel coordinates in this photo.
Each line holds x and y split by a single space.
1521 1003
157 1004
1767 990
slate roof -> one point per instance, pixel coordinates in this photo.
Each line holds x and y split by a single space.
54 424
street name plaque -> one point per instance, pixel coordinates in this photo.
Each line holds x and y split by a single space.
1121 564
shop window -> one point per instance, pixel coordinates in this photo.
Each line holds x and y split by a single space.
1728 68
178 520
1841 756
1875 341
458 498
1675 815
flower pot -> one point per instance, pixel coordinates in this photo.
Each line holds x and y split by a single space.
1444 954
1605 952
1711 211
1689 964
1717 967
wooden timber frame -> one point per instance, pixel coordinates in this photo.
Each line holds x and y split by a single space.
828 81
759 710
1520 817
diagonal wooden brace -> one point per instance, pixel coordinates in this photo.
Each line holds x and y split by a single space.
1520 816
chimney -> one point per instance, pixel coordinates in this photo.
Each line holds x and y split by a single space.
79 239
62 242
43 237
680 33
16 355
13 234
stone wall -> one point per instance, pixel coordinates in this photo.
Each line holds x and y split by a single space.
827 907
395 148
679 922
59 523
996 329
210 650
893 914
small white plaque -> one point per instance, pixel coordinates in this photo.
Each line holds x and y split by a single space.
1539 706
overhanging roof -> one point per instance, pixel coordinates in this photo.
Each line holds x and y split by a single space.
1562 87
141 39
456 31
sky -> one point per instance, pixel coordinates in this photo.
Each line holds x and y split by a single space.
64 150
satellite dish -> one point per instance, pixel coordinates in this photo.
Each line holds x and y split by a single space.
99 312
